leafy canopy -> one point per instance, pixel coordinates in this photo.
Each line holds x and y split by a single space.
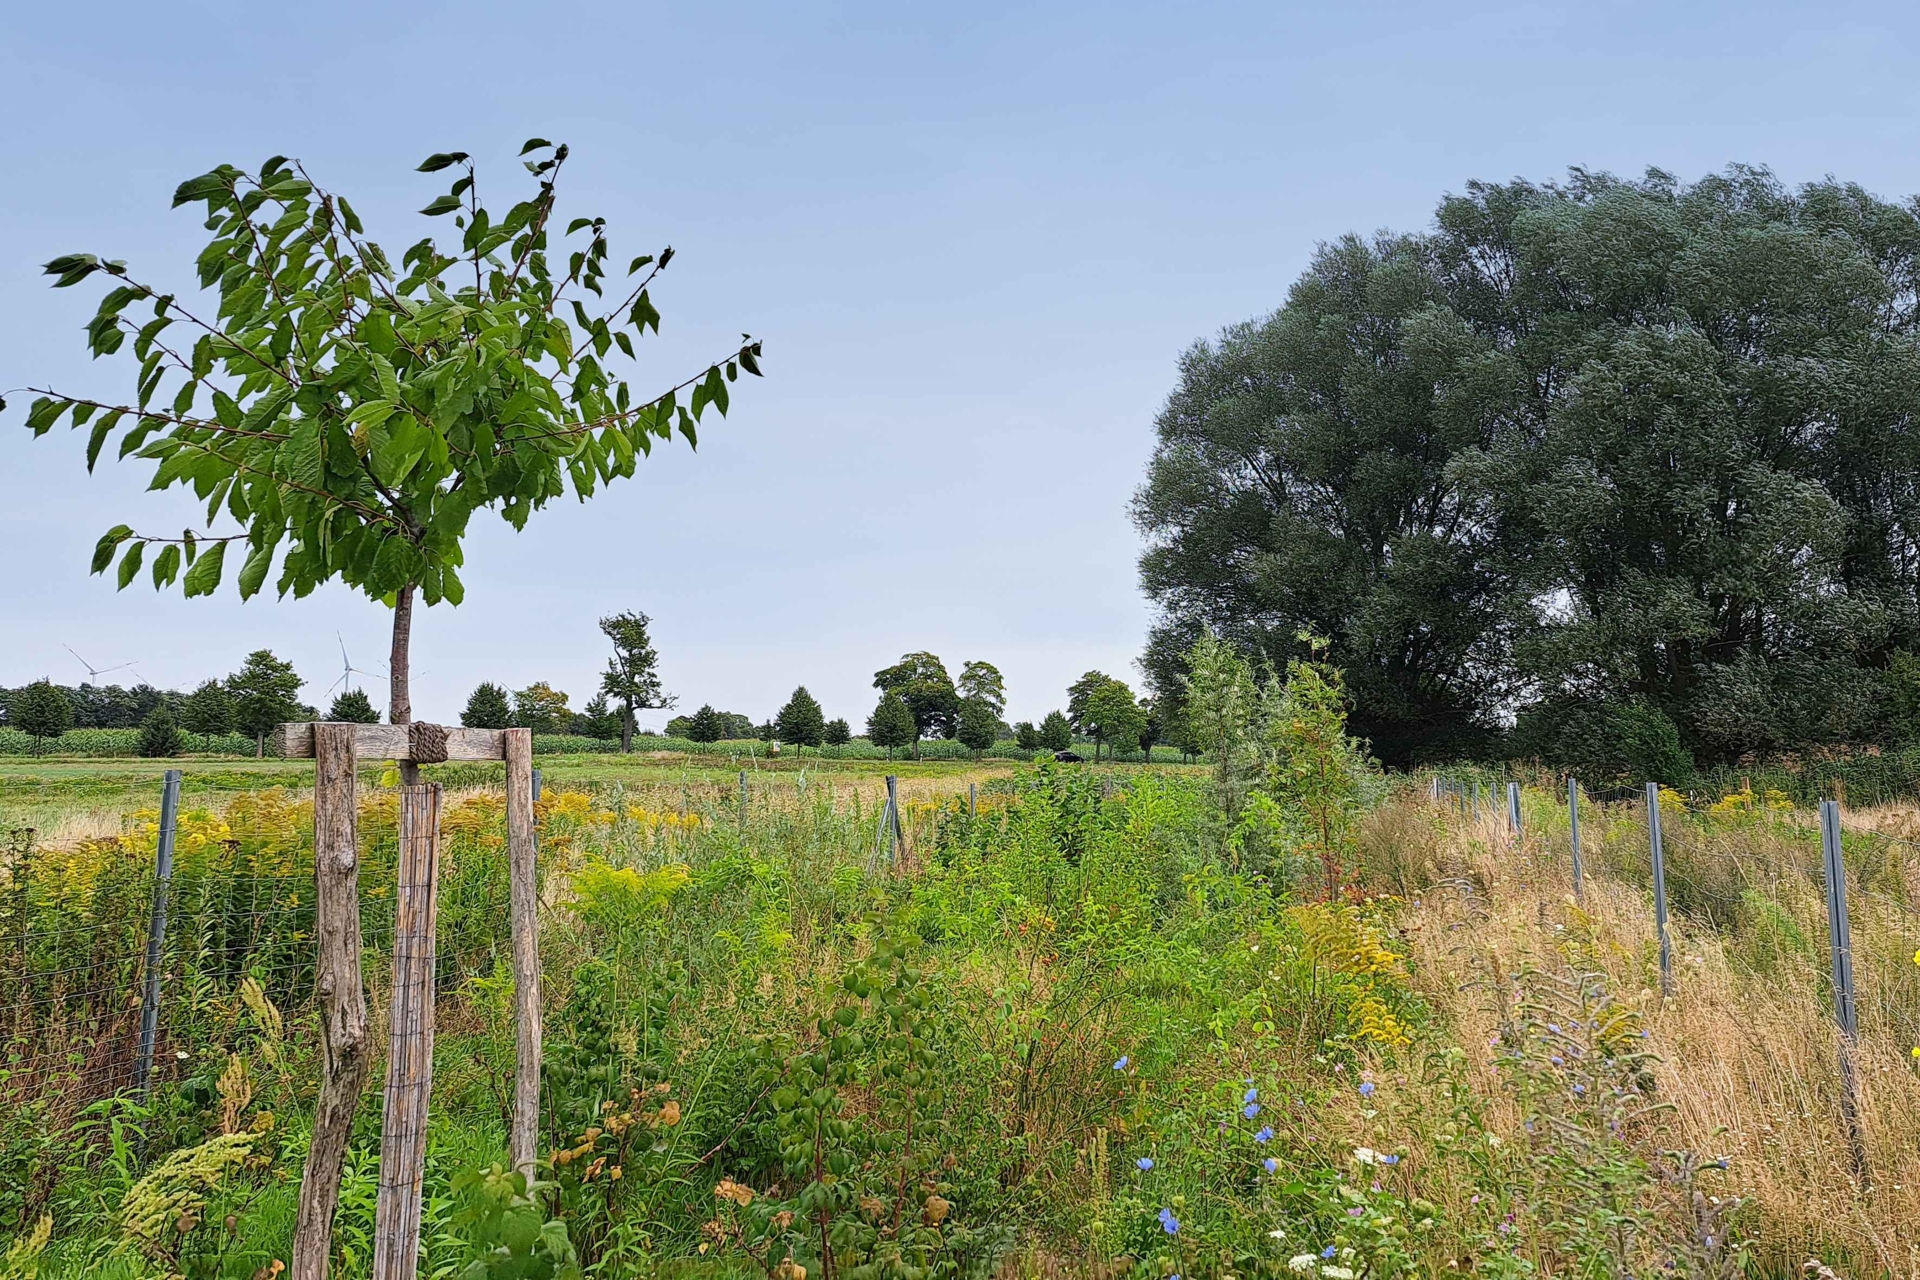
349 413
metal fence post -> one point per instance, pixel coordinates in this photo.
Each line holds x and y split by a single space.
1840 943
536 786
1513 810
892 818
743 797
1573 828
157 930
973 800
1659 888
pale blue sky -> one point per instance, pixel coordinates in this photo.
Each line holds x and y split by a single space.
974 239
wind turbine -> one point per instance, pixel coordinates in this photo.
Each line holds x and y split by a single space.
93 672
347 669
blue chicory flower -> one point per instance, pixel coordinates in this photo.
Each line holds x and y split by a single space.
1252 1094
1389 1159
1144 1163
1272 1165
1366 1088
1122 1064
1169 1223
1251 1110
1265 1134
1327 1252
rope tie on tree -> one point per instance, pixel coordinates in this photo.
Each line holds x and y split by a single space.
427 743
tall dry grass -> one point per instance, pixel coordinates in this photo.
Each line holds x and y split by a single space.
1748 1047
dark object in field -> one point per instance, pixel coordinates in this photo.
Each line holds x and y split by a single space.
1069 757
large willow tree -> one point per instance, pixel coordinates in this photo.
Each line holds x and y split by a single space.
343 414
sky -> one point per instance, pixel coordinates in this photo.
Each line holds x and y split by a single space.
973 239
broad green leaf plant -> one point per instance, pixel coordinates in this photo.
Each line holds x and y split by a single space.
347 415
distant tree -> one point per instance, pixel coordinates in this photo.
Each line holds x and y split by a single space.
633 672
704 724
1150 729
1114 717
542 708
979 724
921 679
1025 736
891 725
160 735
1078 695
838 733
41 711
736 727
801 722
488 707
1056 732
598 719
765 731
265 693
208 710
352 707
983 680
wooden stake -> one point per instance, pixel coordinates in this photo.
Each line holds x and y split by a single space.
403 1137
338 991
524 889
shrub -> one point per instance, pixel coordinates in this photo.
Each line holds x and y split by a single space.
160 736
1606 743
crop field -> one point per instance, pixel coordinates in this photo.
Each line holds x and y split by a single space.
1088 1027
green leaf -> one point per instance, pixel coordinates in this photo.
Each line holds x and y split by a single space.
305 461
130 563
43 413
200 188
101 430
254 571
440 160
578 223
204 576
166 565
440 205
749 359
103 550
534 144
405 441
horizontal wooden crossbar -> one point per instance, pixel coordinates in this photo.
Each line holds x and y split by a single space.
394 742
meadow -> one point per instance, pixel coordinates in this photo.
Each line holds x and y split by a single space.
1096 1027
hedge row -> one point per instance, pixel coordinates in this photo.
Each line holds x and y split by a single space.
116 742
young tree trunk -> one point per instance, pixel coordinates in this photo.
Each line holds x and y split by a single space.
259 746
400 695
626 728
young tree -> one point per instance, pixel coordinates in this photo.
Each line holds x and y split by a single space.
488 707
1114 717
541 708
838 733
982 680
1315 766
208 710
1056 732
265 692
922 680
979 724
349 414
41 711
891 724
160 735
801 722
353 706
1078 695
1221 698
633 672
704 725
1025 736
1151 729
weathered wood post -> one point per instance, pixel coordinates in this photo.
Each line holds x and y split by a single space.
1659 888
524 887
342 996
337 990
1840 944
157 930
403 1134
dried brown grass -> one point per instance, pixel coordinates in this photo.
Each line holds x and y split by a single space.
1748 1046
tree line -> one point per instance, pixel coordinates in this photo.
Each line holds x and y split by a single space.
1583 472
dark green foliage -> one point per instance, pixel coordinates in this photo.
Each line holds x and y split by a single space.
41 711
837 733
801 722
979 724
633 672
109 706
160 735
207 711
353 707
703 725
1056 732
891 725
265 693
501 1221
542 708
921 679
599 720
1605 743
488 707
1025 736
1113 717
